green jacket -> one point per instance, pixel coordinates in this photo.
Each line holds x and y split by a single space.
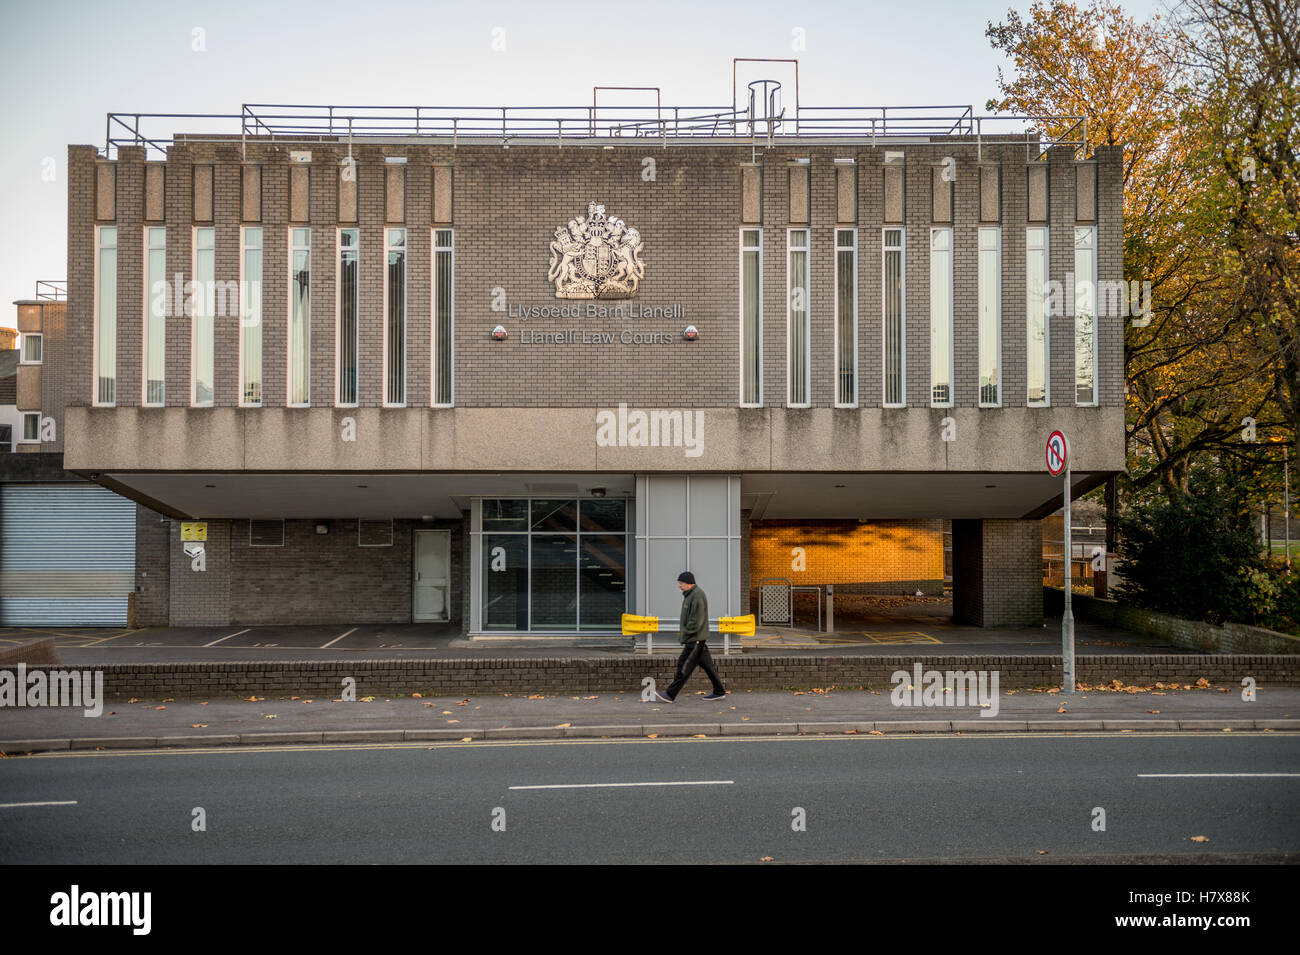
695 616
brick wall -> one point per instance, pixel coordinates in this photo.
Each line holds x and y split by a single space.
152 568
898 553
314 578
507 206
1191 634
623 673
997 572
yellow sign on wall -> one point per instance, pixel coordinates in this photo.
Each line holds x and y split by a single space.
194 530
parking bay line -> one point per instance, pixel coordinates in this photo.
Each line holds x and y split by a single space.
227 637
19 805
338 638
702 782
1215 775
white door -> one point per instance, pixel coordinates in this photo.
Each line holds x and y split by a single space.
432 576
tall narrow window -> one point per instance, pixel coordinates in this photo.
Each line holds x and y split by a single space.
250 319
893 287
797 316
155 314
349 308
990 317
443 325
106 317
1085 315
846 318
204 316
1036 335
751 321
941 317
300 318
395 336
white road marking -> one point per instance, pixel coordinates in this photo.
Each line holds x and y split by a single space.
227 637
703 782
19 805
1213 775
338 638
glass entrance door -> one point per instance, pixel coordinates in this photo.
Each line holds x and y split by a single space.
553 565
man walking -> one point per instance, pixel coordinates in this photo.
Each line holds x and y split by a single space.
694 630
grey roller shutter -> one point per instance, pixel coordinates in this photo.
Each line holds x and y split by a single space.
67 555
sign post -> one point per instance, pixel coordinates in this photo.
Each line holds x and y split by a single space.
1058 463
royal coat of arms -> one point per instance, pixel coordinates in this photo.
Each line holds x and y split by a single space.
596 256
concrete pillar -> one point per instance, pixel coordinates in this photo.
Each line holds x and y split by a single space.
997 573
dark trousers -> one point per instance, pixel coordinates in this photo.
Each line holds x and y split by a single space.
693 655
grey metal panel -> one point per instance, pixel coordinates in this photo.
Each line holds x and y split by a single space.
67 555
666 506
666 559
708 506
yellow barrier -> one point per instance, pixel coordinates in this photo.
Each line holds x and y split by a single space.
744 626
633 624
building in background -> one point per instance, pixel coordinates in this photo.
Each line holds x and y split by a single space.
515 372
67 546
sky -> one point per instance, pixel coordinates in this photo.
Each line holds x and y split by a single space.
65 65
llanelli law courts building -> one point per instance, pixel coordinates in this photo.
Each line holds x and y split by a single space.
516 369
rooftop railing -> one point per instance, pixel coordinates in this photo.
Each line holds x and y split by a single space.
51 290
291 124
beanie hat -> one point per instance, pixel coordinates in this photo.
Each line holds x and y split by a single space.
686 577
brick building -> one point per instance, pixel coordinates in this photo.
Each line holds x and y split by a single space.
516 371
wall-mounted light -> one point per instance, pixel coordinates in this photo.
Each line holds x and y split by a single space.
322 527
597 492
499 333
690 333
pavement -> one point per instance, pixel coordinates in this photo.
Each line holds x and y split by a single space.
150 724
924 626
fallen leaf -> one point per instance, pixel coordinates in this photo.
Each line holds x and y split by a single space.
1042 852
453 721
765 859
463 703
1227 729
444 712
1060 709
272 716
1153 711
699 736
203 703
197 726
417 696
295 697
1223 689
133 700
467 739
1200 838
254 699
560 726
652 736
875 732
1202 683
169 701
850 732
160 707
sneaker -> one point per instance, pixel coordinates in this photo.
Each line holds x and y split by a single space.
716 696
664 698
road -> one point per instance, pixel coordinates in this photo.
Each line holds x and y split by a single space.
865 798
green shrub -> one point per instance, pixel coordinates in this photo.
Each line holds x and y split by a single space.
1198 555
